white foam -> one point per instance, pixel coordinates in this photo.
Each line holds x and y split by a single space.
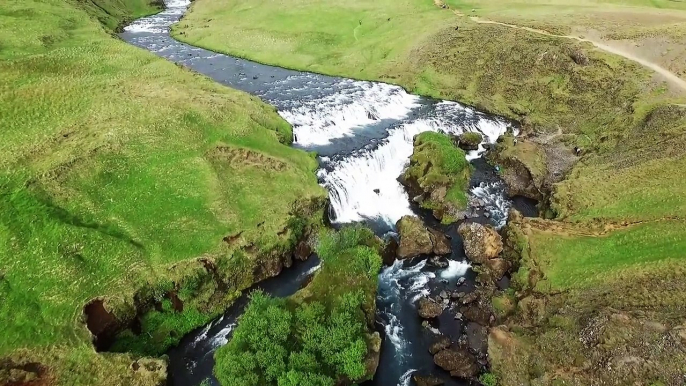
310 271
405 379
389 279
455 269
160 22
496 203
318 121
203 334
221 338
353 180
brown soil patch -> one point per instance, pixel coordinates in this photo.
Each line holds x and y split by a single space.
239 157
24 374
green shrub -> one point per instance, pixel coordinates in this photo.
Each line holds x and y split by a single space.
319 334
488 379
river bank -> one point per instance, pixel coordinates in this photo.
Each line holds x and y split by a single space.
627 123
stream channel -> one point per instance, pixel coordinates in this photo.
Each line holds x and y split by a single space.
362 132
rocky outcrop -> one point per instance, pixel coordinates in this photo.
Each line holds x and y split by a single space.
468 141
428 380
522 166
481 242
101 322
371 362
441 344
388 252
459 362
477 338
22 373
428 309
416 239
437 167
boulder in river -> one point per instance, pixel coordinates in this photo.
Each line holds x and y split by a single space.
437 167
441 344
416 239
468 141
459 362
421 380
389 250
477 338
481 242
429 309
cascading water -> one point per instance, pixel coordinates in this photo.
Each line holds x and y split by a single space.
363 133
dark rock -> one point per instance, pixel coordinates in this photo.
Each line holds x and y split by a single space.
497 268
102 323
371 362
377 191
429 380
302 251
438 262
389 251
470 298
579 57
416 239
477 337
477 313
441 245
441 344
429 309
481 242
468 141
460 363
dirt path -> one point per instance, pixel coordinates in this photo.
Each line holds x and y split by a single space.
670 76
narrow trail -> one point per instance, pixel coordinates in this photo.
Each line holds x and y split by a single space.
670 76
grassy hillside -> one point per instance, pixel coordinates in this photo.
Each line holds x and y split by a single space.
599 295
117 170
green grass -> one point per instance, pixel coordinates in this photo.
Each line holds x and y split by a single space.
583 261
436 162
117 165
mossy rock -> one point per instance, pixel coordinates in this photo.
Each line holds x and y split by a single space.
468 141
522 166
438 176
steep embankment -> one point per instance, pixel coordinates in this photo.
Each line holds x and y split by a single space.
606 274
128 180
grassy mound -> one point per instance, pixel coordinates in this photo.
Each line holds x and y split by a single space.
440 172
320 335
117 170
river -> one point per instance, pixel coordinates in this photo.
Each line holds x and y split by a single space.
362 132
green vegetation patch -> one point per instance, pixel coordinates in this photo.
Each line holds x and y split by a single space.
437 163
119 170
579 261
318 336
